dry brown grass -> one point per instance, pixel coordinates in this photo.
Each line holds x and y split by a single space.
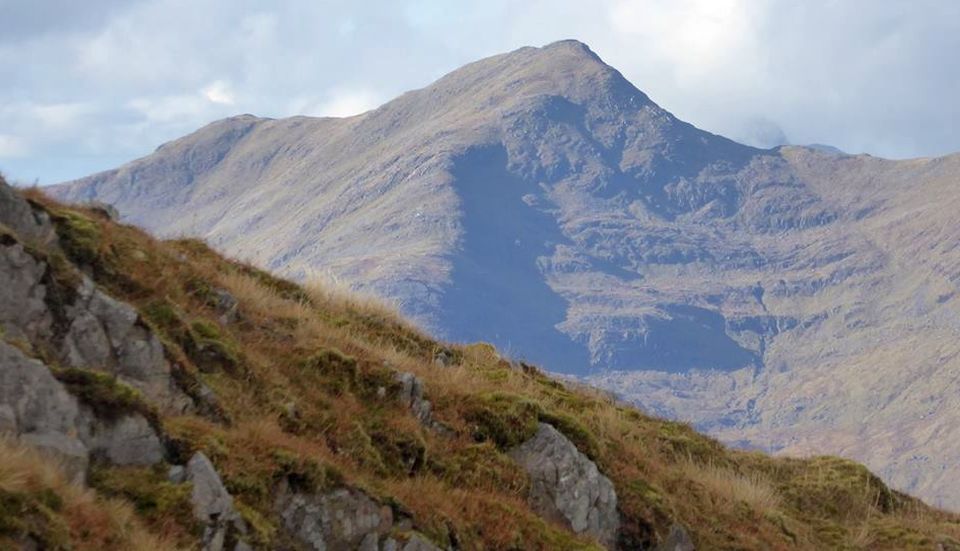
291 413
733 487
93 523
329 292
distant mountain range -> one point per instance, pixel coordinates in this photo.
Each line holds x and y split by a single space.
796 299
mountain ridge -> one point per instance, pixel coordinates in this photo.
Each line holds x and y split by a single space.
745 290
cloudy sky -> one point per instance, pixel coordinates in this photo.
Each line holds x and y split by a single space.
89 85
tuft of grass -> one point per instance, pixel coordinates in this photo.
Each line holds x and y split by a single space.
165 507
733 487
38 505
80 236
505 419
104 394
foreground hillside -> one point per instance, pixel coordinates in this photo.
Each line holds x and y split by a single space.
789 299
205 403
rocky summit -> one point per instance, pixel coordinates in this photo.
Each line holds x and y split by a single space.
797 300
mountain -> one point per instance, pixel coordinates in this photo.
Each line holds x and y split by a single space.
794 300
156 395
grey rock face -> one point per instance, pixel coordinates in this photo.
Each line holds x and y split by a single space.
677 540
213 505
411 395
38 409
23 310
342 519
108 335
18 215
567 487
129 440
88 328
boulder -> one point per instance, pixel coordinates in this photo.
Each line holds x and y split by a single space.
346 518
677 540
213 506
567 487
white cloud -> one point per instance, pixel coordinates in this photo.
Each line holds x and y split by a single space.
864 75
345 103
12 147
219 92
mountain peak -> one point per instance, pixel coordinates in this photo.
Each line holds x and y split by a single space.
566 68
571 46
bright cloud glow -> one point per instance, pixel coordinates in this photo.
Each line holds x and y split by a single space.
346 103
219 92
12 147
112 79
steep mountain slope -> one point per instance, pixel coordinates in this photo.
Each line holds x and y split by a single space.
284 417
793 299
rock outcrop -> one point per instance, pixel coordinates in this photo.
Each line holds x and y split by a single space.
108 335
346 518
411 396
78 325
38 409
21 218
213 507
342 519
567 487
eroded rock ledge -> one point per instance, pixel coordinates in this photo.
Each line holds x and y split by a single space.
566 486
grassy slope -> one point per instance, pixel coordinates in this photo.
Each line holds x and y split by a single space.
297 378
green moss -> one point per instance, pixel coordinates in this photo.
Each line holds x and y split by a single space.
108 397
201 340
79 236
157 500
687 443
505 419
214 355
402 452
889 534
33 515
306 474
575 431
340 373
206 329
262 530
831 487
358 445
166 318
479 466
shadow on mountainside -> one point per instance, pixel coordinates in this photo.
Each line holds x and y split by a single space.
498 293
